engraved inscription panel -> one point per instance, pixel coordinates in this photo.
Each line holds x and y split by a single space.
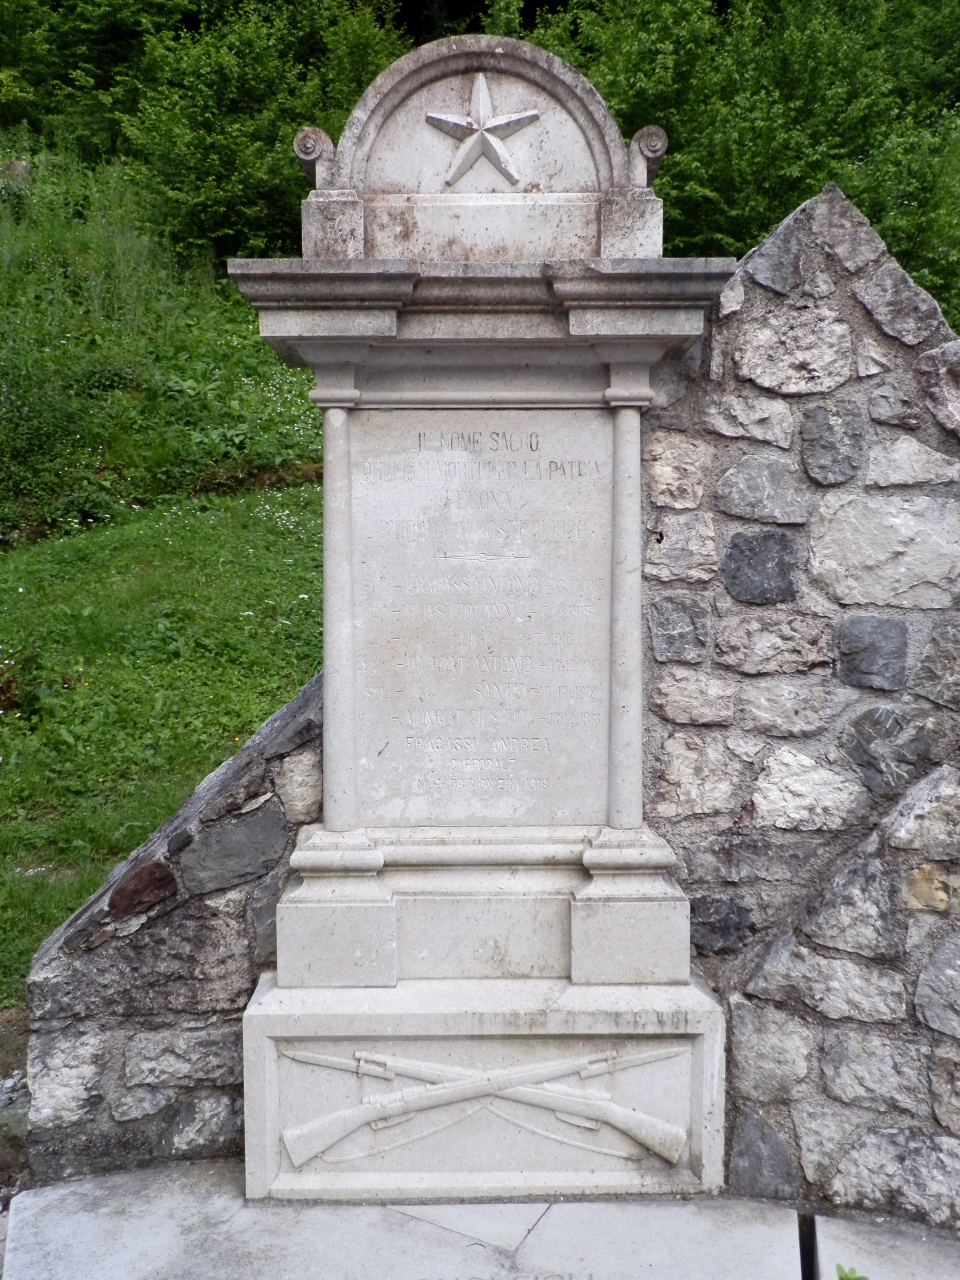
482 558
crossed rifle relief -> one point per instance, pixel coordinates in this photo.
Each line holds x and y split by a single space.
533 1085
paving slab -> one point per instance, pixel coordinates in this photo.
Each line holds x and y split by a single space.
192 1222
885 1251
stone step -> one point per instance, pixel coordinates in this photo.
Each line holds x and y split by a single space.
190 1221
885 1250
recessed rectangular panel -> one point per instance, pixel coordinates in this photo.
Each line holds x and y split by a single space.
482 557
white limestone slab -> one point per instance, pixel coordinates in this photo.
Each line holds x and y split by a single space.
700 1240
482 562
190 1221
885 1251
503 1225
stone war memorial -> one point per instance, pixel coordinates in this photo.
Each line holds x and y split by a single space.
616 851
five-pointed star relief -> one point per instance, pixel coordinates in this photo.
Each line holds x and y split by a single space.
480 132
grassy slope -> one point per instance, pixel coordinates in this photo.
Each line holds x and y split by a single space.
135 659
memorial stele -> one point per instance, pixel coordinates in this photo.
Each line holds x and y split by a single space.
483 983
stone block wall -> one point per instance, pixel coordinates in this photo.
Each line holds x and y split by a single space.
802 583
803 674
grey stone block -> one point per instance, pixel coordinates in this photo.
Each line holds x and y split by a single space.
872 651
760 488
937 674
858 912
867 1068
761 1163
937 997
904 1171
901 308
834 987
757 568
892 407
772 1052
928 817
841 229
939 374
239 849
945 1084
892 745
719 925
832 444
777 263
208 1055
679 628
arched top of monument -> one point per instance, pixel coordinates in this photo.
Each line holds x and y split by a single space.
480 115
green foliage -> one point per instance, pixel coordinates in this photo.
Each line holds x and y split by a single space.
218 111
766 102
123 376
134 660
848 1273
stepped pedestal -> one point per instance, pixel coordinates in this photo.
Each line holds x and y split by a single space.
483 986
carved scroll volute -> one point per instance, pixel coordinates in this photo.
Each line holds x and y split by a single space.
647 149
316 154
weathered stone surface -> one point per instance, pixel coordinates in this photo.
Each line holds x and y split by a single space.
871 360
776 263
698 776
902 1171
136 1104
761 1164
928 816
64 1071
731 299
14 1113
682 547
757 567
719 925
772 1051
789 709
245 785
676 469
836 988
937 674
890 406
793 792
689 697
299 785
901 308
939 374
909 462
926 888
937 998
819 285
900 549
872 651
240 849
832 444
945 1085
762 488
774 645
824 1130
866 1067
204 965
805 352
840 228
144 887
751 417
893 745
679 628
209 1055
857 911
207 1123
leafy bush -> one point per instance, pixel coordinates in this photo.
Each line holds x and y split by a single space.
124 377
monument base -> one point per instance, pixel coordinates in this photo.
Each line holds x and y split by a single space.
482 1089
